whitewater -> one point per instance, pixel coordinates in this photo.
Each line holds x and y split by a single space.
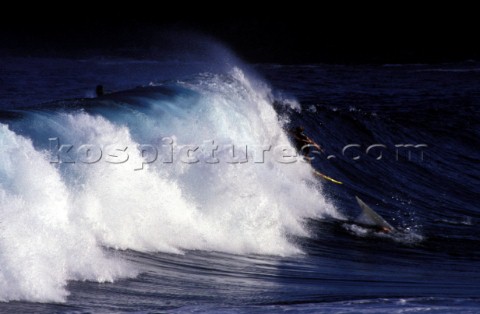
61 220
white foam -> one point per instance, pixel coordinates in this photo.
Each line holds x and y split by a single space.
55 220
237 208
41 247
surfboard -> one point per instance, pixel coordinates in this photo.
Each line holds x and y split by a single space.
371 218
317 173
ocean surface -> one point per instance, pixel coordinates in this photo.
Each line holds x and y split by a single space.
137 212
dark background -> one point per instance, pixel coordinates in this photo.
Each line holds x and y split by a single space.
396 34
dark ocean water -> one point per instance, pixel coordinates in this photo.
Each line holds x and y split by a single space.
236 236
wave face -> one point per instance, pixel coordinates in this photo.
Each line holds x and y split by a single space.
60 215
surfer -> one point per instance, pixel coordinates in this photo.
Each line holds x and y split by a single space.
99 90
303 143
